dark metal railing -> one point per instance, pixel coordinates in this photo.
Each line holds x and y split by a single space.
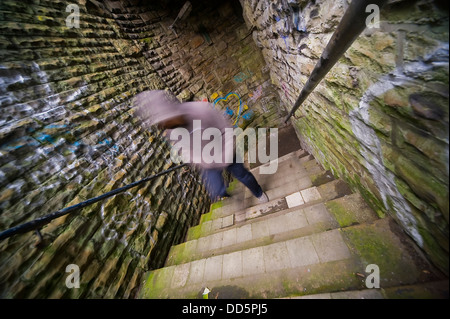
38 223
352 24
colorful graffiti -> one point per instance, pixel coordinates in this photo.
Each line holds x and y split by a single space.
284 37
231 111
242 76
284 86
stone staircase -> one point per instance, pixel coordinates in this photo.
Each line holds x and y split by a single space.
313 239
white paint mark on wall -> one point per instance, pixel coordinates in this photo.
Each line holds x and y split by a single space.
372 152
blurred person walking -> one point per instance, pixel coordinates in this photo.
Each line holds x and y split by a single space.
198 119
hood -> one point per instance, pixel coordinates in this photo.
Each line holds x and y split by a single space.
154 107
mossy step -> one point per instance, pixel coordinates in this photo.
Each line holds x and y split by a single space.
428 290
288 171
273 268
331 190
315 279
285 189
246 199
351 210
218 220
285 163
383 243
328 262
280 226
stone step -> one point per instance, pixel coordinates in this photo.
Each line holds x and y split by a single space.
297 155
274 186
284 167
286 224
260 264
218 220
246 200
283 225
288 172
427 290
326 262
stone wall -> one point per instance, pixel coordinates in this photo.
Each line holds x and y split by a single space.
209 55
380 117
67 133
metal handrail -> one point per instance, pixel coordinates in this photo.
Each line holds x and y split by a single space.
352 24
41 221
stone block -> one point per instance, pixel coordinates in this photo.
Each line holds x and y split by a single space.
232 265
253 261
294 200
330 246
213 268
276 257
301 252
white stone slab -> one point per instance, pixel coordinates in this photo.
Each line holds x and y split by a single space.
310 194
294 200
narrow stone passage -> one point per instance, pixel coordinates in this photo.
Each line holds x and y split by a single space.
363 163
313 239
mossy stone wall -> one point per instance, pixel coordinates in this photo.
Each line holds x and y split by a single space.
67 134
379 119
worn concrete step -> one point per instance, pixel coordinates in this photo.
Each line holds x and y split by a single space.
290 167
428 290
293 222
280 226
273 194
283 168
296 155
351 294
327 262
218 220
276 190
248 269
245 199
213 223
288 174
290 160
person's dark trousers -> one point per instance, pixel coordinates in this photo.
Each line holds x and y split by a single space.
215 185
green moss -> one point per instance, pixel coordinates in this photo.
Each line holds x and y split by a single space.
370 246
376 244
194 232
232 186
157 281
206 217
343 216
147 40
435 252
178 257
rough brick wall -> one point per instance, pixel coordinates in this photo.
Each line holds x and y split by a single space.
379 119
206 56
67 134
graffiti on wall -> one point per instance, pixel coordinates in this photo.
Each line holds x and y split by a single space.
233 106
257 93
242 76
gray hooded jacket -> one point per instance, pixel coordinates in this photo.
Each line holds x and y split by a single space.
203 141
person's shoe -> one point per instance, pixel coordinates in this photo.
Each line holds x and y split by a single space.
263 198
225 196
